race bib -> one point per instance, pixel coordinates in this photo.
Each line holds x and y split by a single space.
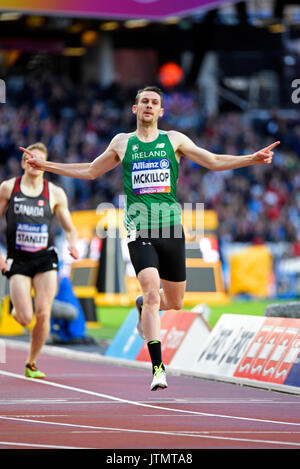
150 177
31 237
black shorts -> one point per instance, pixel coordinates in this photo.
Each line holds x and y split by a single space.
165 253
29 267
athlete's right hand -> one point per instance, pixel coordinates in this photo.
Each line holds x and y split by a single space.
33 160
3 266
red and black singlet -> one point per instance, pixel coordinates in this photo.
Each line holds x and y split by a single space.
28 222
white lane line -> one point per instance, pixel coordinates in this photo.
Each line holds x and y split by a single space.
140 404
155 432
34 445
267 432
67 400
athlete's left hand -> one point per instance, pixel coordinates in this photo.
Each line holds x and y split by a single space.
265 155
74 252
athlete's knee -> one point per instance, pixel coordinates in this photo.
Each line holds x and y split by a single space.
22 317
152 298
42 315
25 321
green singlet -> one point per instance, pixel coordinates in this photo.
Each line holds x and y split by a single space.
150 173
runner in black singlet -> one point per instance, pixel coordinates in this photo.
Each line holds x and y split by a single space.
28 237
30 202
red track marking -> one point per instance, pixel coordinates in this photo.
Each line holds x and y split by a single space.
98 405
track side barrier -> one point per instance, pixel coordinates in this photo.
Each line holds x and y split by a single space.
256 350
242 349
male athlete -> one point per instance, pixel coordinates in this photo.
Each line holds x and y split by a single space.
30 202
150 160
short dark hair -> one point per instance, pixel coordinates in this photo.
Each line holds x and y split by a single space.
155 89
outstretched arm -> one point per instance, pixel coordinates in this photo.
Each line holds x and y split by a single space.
108 160
215 162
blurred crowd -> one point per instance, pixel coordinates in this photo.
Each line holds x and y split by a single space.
254 204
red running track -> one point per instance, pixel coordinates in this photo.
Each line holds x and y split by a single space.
87 404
